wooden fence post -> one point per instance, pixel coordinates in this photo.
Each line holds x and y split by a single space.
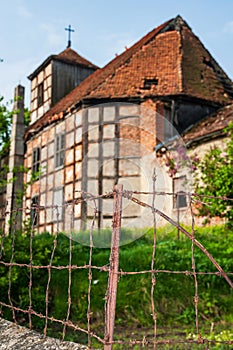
111 294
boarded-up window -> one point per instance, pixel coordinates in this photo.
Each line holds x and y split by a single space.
36 160
60 150
40 94
180 198
34 213
58 199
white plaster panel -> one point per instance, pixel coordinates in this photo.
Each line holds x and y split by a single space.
93 150
51 149
108 167
48 69
78 153
50 165
93 133
69 174
50 181
109 114
93 168
92 187
78 135
69 192
40 77
60 127
59 178
109 131
78 119
69 140
93 115
69 156
109 149
70 122
43 153
43 184
108 185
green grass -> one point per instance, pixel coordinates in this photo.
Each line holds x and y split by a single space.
173 293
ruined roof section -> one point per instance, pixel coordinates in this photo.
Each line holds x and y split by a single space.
168 61
172 62
202 76
209 128
68 56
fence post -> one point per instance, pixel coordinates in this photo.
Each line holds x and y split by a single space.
111 294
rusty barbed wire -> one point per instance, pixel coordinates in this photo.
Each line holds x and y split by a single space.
49 280
153 278
129 195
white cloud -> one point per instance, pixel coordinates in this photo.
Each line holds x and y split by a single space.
228 28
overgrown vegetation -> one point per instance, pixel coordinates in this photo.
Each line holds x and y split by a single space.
174 293
215 178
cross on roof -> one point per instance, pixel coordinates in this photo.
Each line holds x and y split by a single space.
69 35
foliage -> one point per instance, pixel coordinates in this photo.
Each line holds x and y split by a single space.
173 293
6 115
5 124
214 177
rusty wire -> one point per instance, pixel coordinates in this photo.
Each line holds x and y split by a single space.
49 279
153 278
69 301
193 198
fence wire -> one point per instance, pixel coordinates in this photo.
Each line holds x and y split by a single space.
106 341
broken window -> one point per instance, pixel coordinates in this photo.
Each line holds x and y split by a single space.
40 94
148 83
60 150
179 198
36 160
34 213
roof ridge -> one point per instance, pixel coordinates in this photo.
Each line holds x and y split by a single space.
126 55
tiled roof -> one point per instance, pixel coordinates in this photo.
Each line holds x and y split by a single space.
211 127
69 56
170 60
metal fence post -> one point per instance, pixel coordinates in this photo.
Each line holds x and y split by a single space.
111 293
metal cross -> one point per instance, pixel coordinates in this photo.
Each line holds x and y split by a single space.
69 35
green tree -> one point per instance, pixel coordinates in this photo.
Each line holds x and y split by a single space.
214 177
5 126
6 114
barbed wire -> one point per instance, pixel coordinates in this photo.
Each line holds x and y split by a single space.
67 323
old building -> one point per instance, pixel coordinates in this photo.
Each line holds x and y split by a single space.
104 131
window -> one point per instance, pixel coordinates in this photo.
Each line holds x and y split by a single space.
34 213
60 150
36 160
179 199
40 94
58 204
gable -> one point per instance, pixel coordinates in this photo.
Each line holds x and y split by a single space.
202 76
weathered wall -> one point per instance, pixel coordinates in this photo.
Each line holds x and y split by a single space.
16 337
65 178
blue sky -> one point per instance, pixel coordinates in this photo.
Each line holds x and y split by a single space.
31 30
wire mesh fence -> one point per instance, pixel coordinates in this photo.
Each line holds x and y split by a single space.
48 268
